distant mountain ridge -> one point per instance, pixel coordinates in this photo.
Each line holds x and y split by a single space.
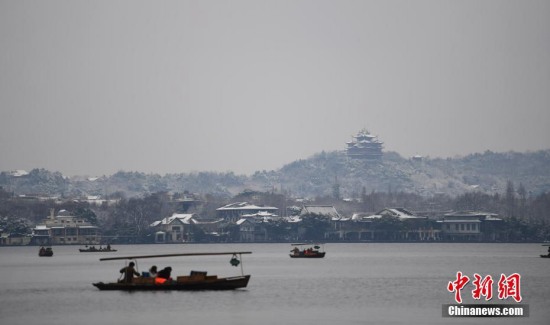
318 175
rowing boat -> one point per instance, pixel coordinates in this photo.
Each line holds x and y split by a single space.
307 251
196 280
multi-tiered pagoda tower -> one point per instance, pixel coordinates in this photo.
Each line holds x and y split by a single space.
365 146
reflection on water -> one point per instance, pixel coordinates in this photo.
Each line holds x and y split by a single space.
353 284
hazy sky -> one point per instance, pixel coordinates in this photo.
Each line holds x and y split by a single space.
94 87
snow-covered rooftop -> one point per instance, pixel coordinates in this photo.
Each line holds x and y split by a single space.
19 173
245 206
185 218
293 219
321 210
469 215
260 214
400 213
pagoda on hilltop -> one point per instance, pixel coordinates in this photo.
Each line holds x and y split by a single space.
365 146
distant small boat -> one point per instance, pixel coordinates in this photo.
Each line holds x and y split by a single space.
92 249
307 251
545 256
45 252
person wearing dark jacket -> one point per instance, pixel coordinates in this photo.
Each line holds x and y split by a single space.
163 275
129 272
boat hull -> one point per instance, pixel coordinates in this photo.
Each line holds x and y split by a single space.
229 283
97 250
48 252
316 255
545 256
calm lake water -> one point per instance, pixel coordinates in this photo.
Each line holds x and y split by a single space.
366 283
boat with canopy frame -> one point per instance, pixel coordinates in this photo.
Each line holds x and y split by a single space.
307 250
93 249
196 280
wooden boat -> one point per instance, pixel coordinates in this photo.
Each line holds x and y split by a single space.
307 251
196 280
92 249
45 252
189 283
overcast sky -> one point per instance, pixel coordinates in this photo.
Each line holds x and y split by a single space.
94 87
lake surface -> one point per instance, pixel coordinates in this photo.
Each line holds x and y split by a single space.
367 283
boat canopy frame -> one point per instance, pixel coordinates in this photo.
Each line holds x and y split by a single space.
136 257
319 246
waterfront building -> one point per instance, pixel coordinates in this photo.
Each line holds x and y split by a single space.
252 226
173 229
187 227
252 230
324 211
394 224
414 227
470 226
365 146
64 228
234 211
14 239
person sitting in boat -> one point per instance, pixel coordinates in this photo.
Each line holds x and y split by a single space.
129 272
108 247
42 250
163 275
296 251
153 271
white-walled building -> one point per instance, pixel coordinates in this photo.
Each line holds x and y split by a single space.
64 228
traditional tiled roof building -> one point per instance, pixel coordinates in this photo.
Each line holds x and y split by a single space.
234 211
326 211
365 146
